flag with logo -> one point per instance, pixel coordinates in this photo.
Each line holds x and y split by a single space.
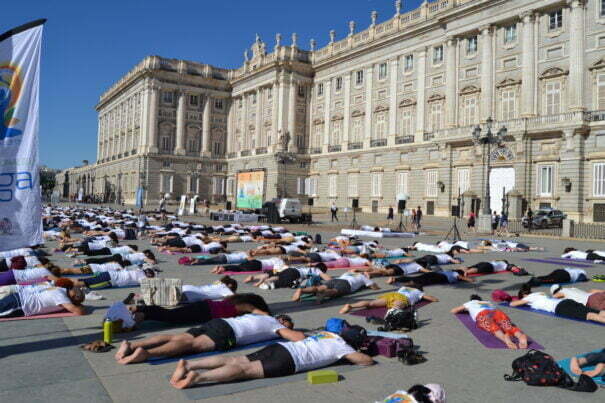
20 204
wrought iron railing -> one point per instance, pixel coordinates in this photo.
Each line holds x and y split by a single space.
404 139
355 146
334 148
378 143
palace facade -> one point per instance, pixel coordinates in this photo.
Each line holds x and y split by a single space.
379 114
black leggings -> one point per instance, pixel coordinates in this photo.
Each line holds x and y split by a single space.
197 312
557 276
286 278
427 260
595 358
99 252
594 256
100 260
483 267
248 265
220 259
424 279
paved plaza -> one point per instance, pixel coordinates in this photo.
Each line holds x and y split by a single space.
41 359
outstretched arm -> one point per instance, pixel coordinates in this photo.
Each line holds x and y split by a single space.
77 309
458 309
360 359
518 302
430 298
292 335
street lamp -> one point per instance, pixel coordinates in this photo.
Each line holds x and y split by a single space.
284 158
487 138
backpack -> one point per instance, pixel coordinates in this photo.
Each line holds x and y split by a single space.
396 318
517 271
539 369
318 239
335 325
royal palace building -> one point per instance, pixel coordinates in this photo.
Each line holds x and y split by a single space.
377 114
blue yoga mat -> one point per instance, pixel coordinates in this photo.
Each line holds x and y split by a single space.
558 263
528 309
565 364
159 360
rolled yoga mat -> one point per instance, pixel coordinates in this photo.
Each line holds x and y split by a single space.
380 312
487 339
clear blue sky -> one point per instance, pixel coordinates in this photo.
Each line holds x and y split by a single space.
88 45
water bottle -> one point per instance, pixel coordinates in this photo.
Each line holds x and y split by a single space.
107 331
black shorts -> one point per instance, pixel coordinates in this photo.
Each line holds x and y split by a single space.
397 271
195 248
342 286
295 253
427 261
457 248
275 359
315 258
594 256
569 308
218 331
176 243
483 267
98 281
286 278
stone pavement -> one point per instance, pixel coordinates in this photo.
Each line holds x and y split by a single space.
41 359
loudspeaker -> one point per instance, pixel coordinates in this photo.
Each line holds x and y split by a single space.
355 203
400 205
310 201
228 205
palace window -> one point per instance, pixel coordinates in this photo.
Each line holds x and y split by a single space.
356 130
301 91
216 148
376 184
194 100
510 34
545 180
555 20
431 183
380 129
601 91
335 137
333 185
166 143
469 110
269 93
471 45
464 180
407 122
191 145
408 64
509 105
598 180
353 185
436 115
359 77
382 71
318 134
602 8
218 104
437 54
320 89
552 105
167 97
254 98
338 84
402 182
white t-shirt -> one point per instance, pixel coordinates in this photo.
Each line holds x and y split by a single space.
121 278
463 244
268 264
252 328
246 238
16 252
328 256
236 257
443 258
212 245
97 245
410 268
424 247
575 254
135 258
39 302
102 267
498 265
540 301
413 295
357 262
580 296
574 273
452 276
356 280
474 307
191 240
317 351
122 250
30 274
394 252
307 271
290 248
204 292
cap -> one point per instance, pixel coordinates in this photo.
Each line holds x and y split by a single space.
554 289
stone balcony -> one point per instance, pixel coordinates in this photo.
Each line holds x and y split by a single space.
355 146
261 151
334 148
315 150
404 139
378 143
245 153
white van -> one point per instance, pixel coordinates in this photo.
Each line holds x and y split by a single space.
290 209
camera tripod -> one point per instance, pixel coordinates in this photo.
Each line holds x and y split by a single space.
454 232
401 227
354 224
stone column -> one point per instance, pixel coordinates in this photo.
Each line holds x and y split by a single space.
180 123
152 138
99 138
259 121
572 168
451 77
206 127
346 82
275 112
487 85
420 95
292 114
576 55
369 80
528 58
244 123
327 110
230 129
281 95
392 133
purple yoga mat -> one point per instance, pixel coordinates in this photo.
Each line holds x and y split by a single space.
560 263
487 339
380 312
584 261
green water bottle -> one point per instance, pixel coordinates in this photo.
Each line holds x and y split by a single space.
107 331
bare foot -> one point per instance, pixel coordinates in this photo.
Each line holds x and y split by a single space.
598 371
297 294
345 309
139 355
574 366
123 351
248 279
522 341
189 380
179 372
391 280
319 298
511 345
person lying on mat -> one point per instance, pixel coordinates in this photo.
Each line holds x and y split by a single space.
224 287
507 246
94 268
427 261
84 247
127 259
289 277
203 311
594 299
596 359
403 297
432 278
317 257
197 247
494 266
382 253
429 393
573 253
121 250
280 359
458 247
487 317
223 258
285 249
564 275
346 262
214 335
346 284
252 265
391 269
40 274
30 301
116 278
567 308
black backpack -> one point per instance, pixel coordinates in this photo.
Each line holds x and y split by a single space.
539 369
318 239
396 318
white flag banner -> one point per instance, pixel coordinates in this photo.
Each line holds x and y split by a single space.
20 205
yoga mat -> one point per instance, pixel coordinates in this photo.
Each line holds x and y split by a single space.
528 309
390 335
160 360
565 364
487 339
566 263
380 312
47 316
562 259
487 274
223 389
236 273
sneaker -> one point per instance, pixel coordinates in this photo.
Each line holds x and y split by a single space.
94 296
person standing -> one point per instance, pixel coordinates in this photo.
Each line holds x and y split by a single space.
495 219
530 216
390 216
414 218
334 211
471 221
418 218
504 223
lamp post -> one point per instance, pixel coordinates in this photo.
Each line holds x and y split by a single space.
487 138
284 158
